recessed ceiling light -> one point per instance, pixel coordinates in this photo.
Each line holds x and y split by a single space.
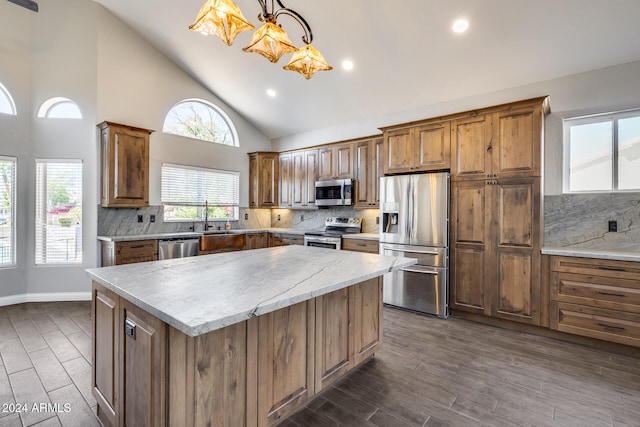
347 65
460 26
272 93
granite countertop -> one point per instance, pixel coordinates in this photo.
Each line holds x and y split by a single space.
197 295
611 254
361 236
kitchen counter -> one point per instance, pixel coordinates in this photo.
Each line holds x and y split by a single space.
195 234
197 295
611 254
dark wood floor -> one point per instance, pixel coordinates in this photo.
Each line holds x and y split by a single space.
431 372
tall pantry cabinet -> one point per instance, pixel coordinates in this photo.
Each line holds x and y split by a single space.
496 211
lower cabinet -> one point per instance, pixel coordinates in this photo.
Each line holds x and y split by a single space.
283 239
252 373
128 252
596 298
256 241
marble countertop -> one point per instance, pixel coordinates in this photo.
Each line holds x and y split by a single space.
612 254
200 294
195 234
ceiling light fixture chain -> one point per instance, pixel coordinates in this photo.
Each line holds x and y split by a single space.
224 19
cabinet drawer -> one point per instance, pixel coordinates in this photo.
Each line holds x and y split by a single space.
137 247
359 245
608 325
597 291
596 267
120 260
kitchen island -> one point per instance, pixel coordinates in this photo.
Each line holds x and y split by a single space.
234 339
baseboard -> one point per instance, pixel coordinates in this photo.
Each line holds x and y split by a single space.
45 297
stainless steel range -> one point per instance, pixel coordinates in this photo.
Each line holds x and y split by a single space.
334 228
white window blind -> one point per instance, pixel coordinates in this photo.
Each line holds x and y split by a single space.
186 189
7 211
58 212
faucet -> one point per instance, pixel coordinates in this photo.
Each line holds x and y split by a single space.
206 215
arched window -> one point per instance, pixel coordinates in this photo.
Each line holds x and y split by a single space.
59 108
195 118
7 106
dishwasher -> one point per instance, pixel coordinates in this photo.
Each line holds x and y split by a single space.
177 248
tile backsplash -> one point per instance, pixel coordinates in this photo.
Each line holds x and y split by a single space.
124 221
581 220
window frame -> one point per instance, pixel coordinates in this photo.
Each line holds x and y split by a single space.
200 204
614 117
225 117
49 106
12 104
14 185
37 247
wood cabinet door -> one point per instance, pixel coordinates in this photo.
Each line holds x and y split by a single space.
284 180
333 338
310 177
344 161
364 166
325 163
378 171
518 134
470 247
398 151
105 371
298 178
268 180
142 360
471 148
432 147
516 209
285 361
366 301
253 180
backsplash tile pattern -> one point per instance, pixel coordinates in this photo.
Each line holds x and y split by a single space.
581 221
124 221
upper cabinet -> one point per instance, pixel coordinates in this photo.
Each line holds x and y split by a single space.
125 165
263 180
369 166
298 173
335 161
418 148
503 143
284 180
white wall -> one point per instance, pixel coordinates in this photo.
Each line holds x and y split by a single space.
77 49
607 89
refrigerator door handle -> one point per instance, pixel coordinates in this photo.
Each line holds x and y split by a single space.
409 209
415 270
413 251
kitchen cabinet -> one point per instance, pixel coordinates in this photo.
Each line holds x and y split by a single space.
217 243
285 180
369 169
335 161
419 148
360 245
125 165
505 143
596 298
263 180
128 362
256 241
496 212
128 252
283 239
298 174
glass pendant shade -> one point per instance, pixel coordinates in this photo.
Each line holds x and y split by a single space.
307 60
270 41
221 18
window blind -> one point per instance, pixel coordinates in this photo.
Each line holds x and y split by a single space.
192 186
7 211
58 211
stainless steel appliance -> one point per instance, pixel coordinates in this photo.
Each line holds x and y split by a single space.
177 248
334 192
334 228
414 222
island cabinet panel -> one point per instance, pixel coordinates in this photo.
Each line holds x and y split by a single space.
142 353
125 165
334 339
366 303
105 372
285 361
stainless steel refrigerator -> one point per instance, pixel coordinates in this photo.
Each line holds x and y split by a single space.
414 222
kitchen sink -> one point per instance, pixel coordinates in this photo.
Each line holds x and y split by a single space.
223 242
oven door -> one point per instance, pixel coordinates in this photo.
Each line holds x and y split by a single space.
419 287
323 242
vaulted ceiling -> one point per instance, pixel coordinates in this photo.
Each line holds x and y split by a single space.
406 56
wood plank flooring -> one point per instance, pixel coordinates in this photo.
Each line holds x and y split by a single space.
431 372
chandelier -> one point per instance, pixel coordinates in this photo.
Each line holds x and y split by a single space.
224 19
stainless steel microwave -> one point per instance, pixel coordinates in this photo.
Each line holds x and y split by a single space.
334 192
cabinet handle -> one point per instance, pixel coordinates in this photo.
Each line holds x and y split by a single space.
137 247
611 268
615 328
130 329
361 244
613 294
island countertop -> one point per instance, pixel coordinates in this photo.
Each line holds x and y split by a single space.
200 294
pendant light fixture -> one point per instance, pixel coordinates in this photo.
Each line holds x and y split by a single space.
224 19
